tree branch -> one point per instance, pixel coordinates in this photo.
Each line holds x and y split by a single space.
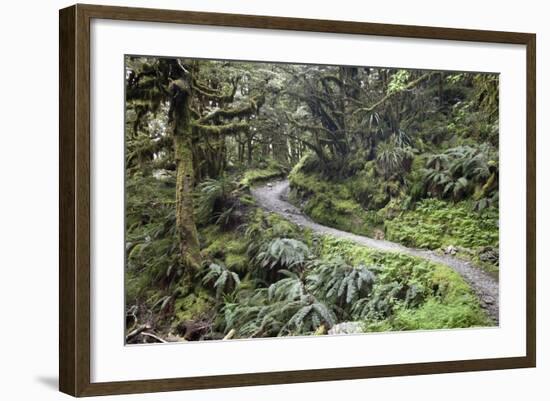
224 129
387 97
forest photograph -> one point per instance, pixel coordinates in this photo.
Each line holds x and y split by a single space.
273 200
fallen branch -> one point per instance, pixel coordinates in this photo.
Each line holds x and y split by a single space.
136 332
154 336
230 335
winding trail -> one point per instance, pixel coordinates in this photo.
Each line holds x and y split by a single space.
273 197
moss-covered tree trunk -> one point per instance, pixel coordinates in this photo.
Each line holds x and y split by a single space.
185 177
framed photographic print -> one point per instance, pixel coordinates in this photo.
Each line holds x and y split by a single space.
250 200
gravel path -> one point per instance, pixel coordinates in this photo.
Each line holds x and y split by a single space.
272 197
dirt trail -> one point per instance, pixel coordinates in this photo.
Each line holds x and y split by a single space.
273 197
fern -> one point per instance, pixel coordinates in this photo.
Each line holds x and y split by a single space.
380 305
287 289
279 254
221 278
461 172
337 281
216 201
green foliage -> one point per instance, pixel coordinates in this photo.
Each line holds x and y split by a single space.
434 314
286 308
393 159
486 93
434 224
191 307
151 246
406 289
270 171
272 245
406 154
398 81
221 278
226 246
463 172
219 202
331 203
282 253
337 281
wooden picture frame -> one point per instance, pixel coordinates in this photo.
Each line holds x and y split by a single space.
74 200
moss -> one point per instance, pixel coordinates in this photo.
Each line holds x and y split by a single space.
237 263
437 224
267 171
227 246
434 314
214 242
193 306
449 302
331 203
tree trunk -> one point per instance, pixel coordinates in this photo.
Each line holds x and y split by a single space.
248 150
185 221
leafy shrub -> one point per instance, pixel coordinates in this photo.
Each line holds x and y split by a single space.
152 254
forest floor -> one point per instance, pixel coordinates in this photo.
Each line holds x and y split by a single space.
274 198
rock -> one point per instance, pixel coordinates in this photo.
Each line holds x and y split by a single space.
489 254
346 328
451 250
269 185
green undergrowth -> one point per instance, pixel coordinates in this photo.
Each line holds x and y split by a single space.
225 246
428 223
443 298
150 236
332 204
436 224
193 306
263 172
